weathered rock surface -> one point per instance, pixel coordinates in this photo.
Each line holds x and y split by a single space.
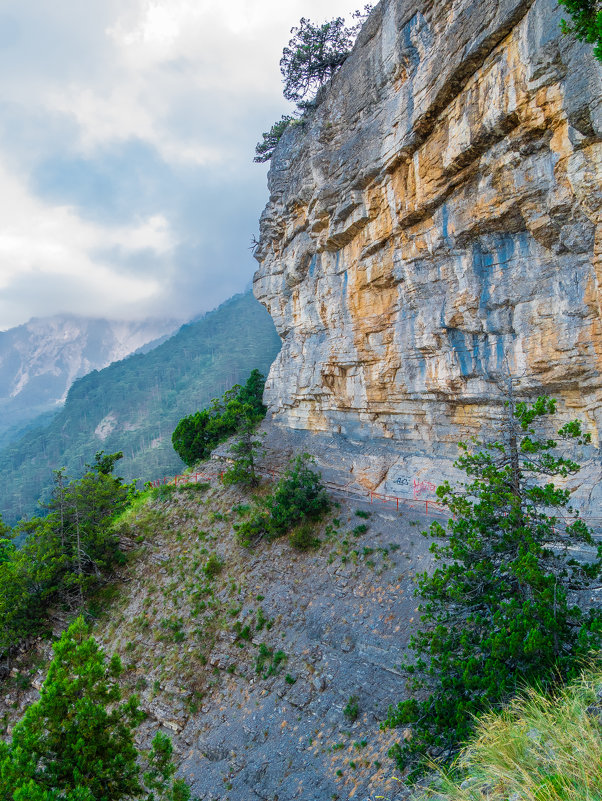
439 213
340 615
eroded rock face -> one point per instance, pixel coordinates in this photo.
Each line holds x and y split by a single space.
439 214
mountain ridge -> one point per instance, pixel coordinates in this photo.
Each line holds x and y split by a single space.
133 405
40 359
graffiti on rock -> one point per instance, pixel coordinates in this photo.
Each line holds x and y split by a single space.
420 487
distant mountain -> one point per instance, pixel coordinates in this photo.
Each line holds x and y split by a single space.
42 358
134 405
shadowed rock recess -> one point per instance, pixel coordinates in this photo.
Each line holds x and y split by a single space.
439 211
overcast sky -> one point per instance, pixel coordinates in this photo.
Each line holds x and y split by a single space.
127 131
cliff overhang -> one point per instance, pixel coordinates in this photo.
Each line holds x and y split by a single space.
435 222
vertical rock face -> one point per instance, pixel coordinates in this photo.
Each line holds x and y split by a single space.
439 215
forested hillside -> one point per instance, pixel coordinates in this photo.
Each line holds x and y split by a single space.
134 405
42 358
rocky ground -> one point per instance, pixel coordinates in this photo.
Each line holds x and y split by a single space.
273 671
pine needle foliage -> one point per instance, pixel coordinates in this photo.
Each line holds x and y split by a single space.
64 557
77 742
298 497
245 450
314 53
496 613
264 150
586 23
198 434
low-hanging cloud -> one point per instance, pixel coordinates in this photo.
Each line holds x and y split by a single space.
127 132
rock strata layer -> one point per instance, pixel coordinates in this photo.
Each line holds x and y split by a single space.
438 217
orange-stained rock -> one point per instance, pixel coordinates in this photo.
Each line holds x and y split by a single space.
439 214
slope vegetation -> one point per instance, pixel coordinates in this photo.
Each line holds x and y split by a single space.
134 405
270 667
540 748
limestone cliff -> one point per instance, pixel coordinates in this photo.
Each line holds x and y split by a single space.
441 210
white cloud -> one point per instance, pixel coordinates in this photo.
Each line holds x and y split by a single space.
192 83
38 240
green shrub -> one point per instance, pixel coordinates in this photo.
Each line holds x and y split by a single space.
265 149
352 709
213 566
297 498
198 434
174 625
359 530
242 632
263 655
298 495
274 668
252 530
261 619
303 537
266 658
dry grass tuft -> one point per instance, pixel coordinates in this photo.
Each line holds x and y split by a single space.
538 749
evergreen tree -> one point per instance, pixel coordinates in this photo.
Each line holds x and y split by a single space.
65 556
587 22
264 150
298 496
315 53
78 736
6 543
77 742
496 612
198 434
15 605
245 450
104 463
251 394
311 58
76 541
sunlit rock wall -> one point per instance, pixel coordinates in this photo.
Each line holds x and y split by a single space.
439 215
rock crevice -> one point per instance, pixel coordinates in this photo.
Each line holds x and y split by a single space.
438 216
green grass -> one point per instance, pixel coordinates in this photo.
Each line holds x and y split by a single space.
135 507
540 748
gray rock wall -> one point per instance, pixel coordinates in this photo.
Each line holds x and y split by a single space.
438 214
